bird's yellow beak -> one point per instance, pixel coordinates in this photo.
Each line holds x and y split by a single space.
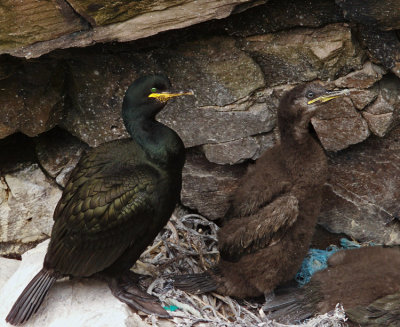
329 95
165 96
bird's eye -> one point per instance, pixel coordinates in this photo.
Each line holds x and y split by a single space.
310 94
153 90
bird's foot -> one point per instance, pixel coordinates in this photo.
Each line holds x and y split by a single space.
125 288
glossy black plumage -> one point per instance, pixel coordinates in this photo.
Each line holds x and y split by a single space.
117 199
268 228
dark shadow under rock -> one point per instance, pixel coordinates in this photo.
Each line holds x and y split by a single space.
16 150
58 153
380 14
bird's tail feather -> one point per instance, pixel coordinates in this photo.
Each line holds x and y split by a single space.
31 298
196 283
292 305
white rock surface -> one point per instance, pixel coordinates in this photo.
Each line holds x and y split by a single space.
70 303
7 268
27 202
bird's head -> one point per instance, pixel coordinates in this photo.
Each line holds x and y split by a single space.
300 104
147 95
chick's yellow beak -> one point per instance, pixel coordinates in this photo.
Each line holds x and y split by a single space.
329 95
165 96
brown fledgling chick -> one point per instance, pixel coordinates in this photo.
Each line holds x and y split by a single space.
365 281
268 228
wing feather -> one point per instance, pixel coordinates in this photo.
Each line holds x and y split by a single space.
264 228
100 214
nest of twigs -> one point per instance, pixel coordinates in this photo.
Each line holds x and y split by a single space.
188 244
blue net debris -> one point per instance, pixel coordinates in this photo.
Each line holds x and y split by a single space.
318 259
314 261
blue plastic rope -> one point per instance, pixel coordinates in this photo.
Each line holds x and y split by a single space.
318 259
314 261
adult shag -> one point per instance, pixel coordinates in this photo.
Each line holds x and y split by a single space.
119 196
268 228
365 281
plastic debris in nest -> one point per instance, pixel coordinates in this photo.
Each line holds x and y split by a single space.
189 245
317 259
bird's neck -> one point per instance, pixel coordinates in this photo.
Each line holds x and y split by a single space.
295 134
299 143
158 141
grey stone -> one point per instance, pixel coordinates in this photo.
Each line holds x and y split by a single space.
339 125
202 125
304 54
379 124
361 98
237 151
361 79
383 113
215 68
361 196
231 152
207 187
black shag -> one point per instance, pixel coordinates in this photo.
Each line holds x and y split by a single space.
119 196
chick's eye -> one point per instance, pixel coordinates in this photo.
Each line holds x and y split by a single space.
310 94
153 90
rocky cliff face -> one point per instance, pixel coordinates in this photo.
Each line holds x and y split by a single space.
69 97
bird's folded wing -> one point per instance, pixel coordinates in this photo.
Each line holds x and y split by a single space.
245 235
99 216
94 169
383 312
101 203
250 197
